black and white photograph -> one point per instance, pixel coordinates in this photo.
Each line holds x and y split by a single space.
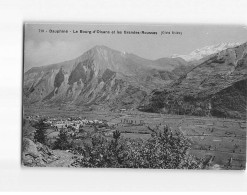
140 96
123 96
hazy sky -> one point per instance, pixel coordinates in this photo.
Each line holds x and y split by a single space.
48 48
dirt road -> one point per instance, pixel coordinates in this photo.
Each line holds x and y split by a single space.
65 159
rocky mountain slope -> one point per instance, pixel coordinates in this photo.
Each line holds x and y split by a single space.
100 76
40 155
36 154
215 87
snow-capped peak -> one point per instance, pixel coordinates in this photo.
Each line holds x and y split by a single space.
205 51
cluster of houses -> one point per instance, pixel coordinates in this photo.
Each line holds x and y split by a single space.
75 123
130 121
59 123
33 117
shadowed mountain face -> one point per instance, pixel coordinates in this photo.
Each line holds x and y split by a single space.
101 76
217 87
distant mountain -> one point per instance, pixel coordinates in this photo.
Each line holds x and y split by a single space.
206 51
216 87
101 76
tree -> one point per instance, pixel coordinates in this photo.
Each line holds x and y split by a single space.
164 150
62 141
40 133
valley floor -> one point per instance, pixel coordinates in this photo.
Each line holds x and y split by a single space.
223 139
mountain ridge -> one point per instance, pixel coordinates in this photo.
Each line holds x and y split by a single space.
97 76
198 91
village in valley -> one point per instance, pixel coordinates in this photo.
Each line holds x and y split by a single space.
76 125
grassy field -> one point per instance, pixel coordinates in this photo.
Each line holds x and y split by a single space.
225 139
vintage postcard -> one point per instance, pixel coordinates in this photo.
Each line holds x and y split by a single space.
134 96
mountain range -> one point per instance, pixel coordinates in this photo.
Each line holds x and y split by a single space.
110 79
99 76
